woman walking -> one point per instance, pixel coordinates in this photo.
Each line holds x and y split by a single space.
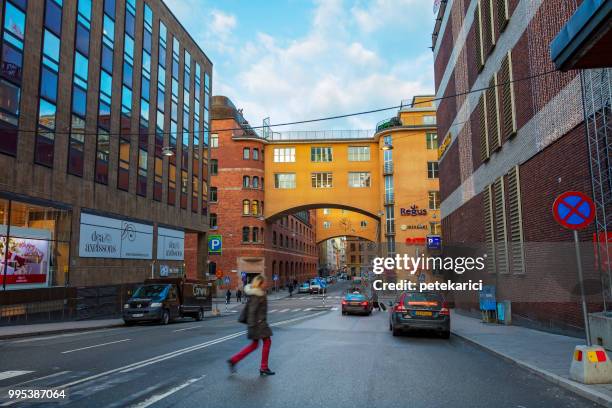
255 316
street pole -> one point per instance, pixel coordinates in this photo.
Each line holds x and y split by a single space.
580 282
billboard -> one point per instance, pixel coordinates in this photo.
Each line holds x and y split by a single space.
170 244
104 237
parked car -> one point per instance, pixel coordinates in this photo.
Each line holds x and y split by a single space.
304 288
356 302
420 311
164 299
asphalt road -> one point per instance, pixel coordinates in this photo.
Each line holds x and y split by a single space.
322 359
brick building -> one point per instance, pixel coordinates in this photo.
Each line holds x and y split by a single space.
507 152
284 246
97 189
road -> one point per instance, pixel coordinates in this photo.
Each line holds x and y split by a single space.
322 359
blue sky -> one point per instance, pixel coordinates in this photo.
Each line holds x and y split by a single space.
297 59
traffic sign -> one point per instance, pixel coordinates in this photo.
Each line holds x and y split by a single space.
219 273
434 242
215 243
226 280
573 210
275 277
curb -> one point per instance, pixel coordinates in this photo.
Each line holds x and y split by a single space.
57 331
576 388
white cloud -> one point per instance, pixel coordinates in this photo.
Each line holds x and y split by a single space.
222 23
379 14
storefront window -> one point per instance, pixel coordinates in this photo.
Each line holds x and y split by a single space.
36 252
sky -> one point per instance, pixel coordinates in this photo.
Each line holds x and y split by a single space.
297 59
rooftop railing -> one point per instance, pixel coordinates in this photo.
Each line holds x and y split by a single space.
322 134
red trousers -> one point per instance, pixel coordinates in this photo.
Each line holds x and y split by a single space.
265 352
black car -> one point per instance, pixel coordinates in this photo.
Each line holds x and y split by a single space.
420 311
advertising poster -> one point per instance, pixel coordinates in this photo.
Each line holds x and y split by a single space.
104 237
25 262
170 244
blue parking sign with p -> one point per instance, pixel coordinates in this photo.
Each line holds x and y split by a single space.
215 244
434 242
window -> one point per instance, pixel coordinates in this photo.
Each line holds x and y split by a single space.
326 211
434 200
432 141
246 182
245 234
53 17
214 140
255 234
429 120
45 136
255 182
321 154
76 144
326 224
171 184
246 207
254 207
213 220
157 185
107 58
359 153
284 180
359 179
284 154
363 224
82 39
213 194
432 170
255 154
246 153
214 167
123 181
274 238
321 180
141 181
434 228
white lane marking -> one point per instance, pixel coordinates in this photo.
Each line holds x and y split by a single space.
308 309
186 328
95 345
334 308
283 311
172 354
156 398
62 335
272 311
14 373
296 310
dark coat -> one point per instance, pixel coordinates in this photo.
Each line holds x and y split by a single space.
257 315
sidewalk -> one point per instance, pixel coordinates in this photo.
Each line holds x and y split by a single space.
545 354
25 330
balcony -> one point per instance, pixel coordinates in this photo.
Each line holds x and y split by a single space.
388 168
388 123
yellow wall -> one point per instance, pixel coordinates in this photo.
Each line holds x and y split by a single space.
345 223
305 196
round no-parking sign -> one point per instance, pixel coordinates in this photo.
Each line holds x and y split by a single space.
574 210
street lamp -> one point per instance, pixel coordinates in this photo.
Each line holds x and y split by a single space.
387 146
167 151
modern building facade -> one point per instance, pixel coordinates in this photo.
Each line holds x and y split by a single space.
283 246
103 121
512 139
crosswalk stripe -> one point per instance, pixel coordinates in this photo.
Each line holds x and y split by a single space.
308 309
296 310
272 311
14 373
334 308
284 310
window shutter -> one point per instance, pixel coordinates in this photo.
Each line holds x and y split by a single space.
502 14
489 239
478 32
501 247
482 120
506 99
492 115
486 19
516 223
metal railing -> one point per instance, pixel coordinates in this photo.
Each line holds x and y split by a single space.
388 123
388 168
322 134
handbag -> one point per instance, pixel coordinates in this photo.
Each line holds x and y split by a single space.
243 314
